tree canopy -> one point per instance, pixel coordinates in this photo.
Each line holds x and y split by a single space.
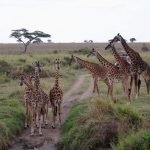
24 36
132 40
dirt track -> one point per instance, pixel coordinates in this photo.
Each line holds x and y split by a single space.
51 136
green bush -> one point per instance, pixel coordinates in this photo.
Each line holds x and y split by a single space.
11 121
4 67
97 125
22 60
4 79
83 51
134 141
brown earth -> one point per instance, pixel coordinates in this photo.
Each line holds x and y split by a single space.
51 136
48 47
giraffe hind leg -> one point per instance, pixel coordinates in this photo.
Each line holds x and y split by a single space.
54 116
59 113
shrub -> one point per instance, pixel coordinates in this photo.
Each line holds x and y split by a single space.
84 51
4 79
134 141
5 67
22 60
145 48
46 61
101 125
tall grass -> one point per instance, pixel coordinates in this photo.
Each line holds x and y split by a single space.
134 141
98 123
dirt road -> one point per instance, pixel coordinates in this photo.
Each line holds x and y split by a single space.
51 136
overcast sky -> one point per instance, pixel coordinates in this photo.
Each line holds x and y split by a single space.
77 20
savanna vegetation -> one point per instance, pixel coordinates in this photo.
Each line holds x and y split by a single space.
91 124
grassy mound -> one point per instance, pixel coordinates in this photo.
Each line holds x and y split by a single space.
11 120
97 125
134 141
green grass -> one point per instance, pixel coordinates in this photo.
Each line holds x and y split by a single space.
11 94
134 141
98 123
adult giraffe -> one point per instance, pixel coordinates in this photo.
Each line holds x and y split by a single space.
138 66
56 95
112 73
123 64
96 70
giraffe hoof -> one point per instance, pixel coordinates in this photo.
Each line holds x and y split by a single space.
32 134
41 134
53 127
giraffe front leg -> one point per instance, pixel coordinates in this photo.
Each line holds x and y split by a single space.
59 113
54 116
136 86
32 124
94 85
46 114
39 120
26 115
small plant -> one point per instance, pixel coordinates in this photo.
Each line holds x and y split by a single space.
22 60
145 48
101 125
4 79
134 141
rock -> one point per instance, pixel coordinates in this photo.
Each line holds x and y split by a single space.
31 142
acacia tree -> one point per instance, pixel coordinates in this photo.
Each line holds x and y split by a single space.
132 40
26 37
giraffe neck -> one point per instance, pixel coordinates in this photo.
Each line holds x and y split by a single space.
104 62
57 78
36 80
29 85
86 64
128 49
116 55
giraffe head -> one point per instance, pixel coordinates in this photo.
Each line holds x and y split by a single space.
72 59
57 63
110 45
93 52
37 66
24 78
117 38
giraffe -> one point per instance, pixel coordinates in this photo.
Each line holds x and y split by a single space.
44 96
122 62
27 95
138 66
96 70
56 95
34 106
112 73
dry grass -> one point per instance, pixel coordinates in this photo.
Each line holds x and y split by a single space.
49 47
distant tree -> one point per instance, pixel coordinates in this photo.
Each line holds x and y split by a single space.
144 48
26 37
49 41
90 41
85 41
132 40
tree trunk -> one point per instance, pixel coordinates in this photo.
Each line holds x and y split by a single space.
26 46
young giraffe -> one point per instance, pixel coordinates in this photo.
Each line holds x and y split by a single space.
112 73
32 97
44 96
124 66
56 95
138 66
96 70
27 95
